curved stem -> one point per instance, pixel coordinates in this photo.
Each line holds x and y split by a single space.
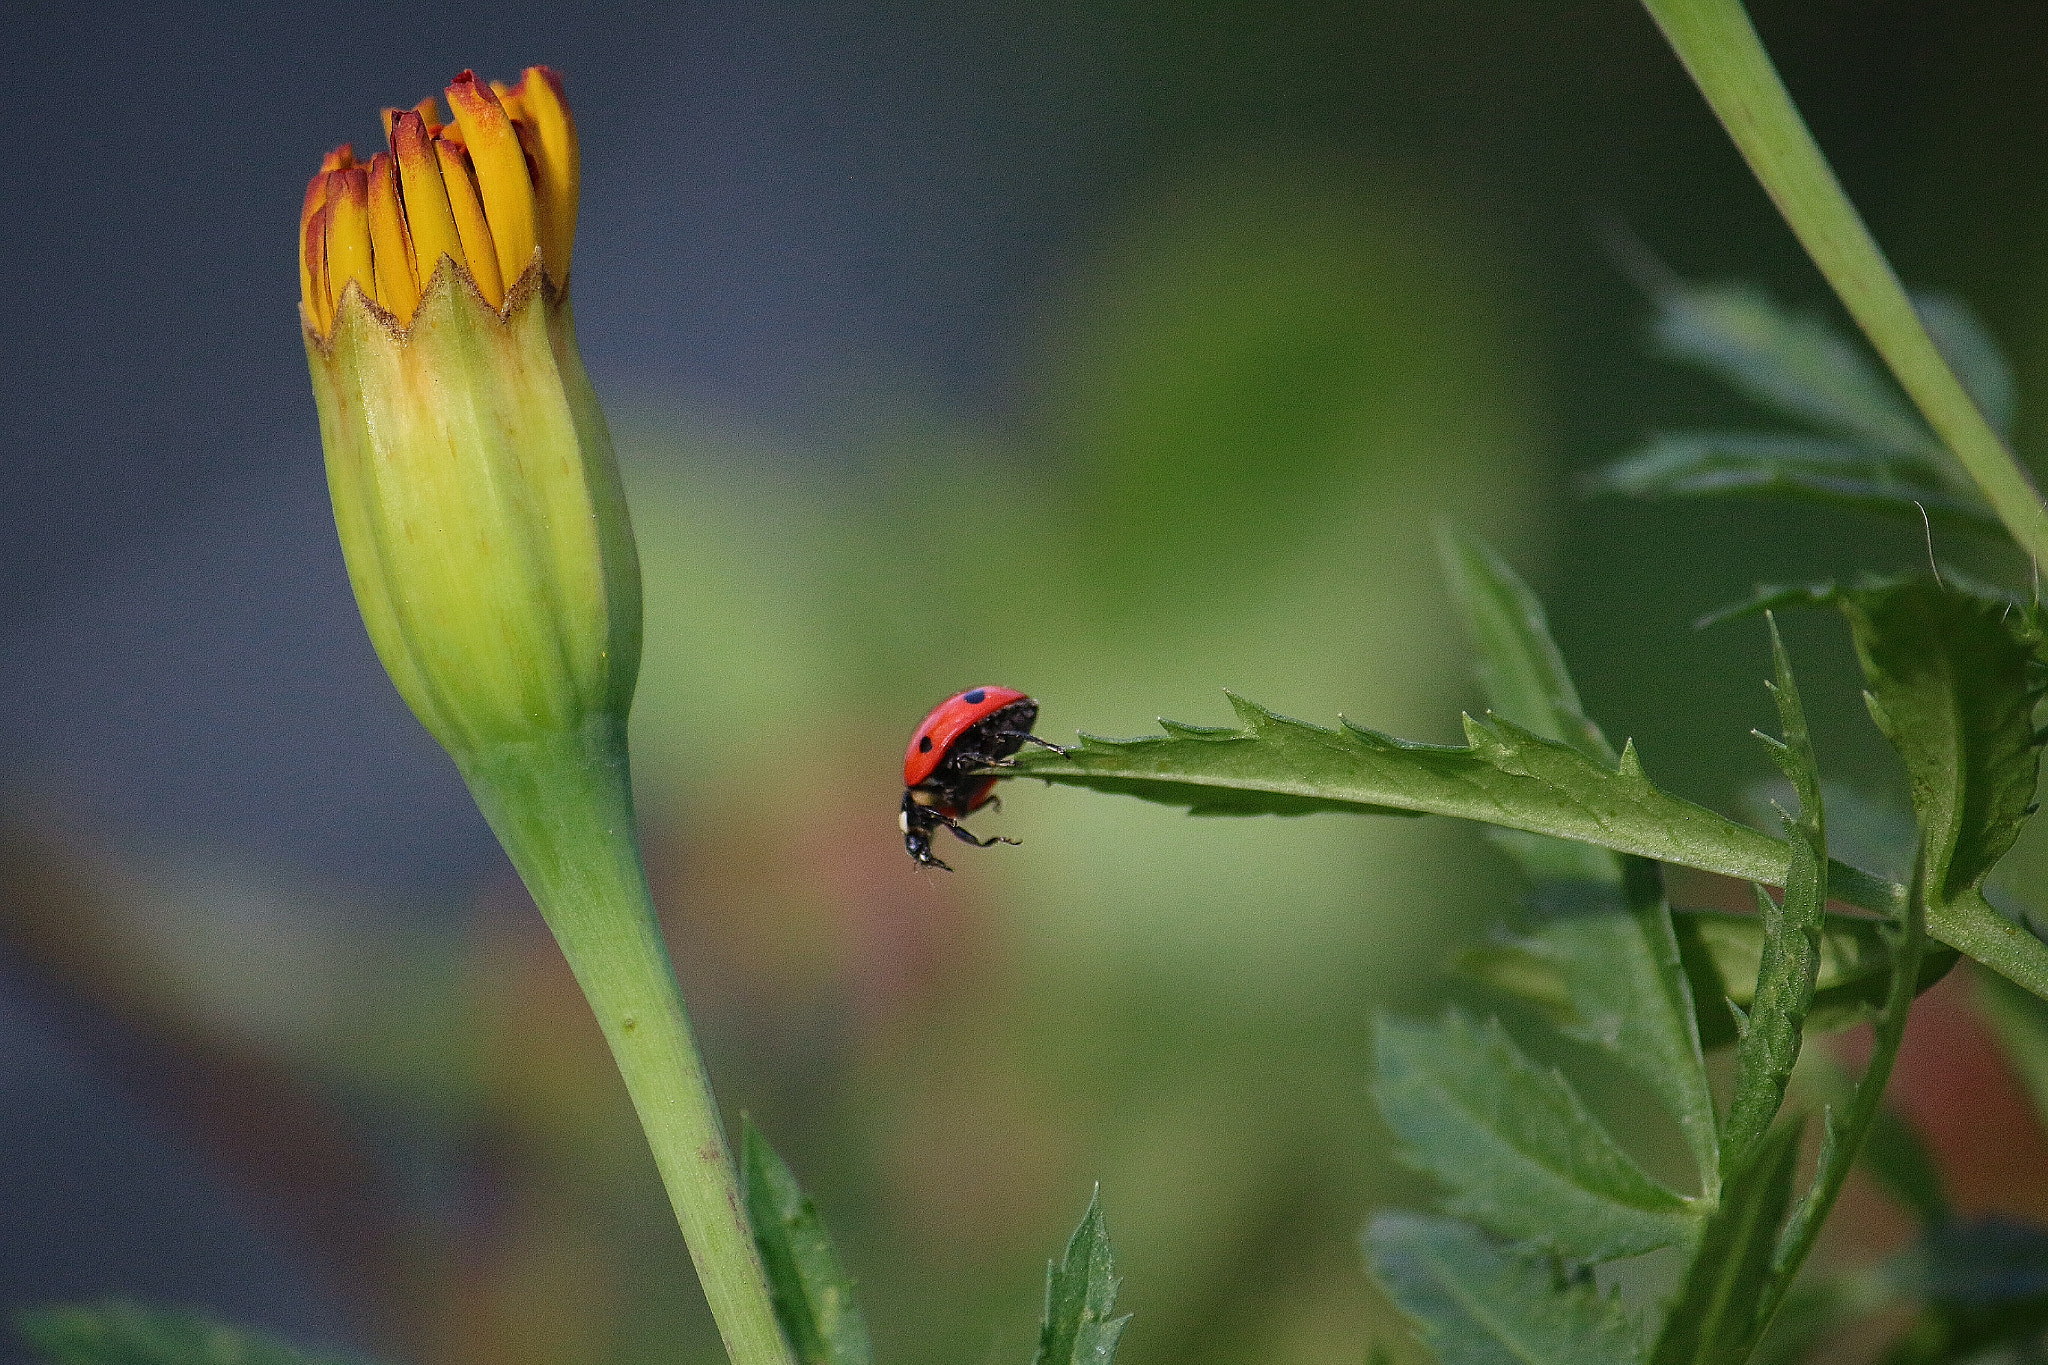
1839 1147
1720 47
563 808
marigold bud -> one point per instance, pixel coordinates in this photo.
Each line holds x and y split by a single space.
473 481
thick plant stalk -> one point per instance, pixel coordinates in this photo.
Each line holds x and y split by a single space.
1720 47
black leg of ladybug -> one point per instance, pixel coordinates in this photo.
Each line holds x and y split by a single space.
963 836
1028 738
960 833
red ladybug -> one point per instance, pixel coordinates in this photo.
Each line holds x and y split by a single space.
944 777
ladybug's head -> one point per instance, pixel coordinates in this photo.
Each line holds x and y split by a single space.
918 822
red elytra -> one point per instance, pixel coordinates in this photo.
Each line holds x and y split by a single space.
945 770
949 720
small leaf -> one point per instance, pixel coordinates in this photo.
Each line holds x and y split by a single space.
1790 961
1737 464
1080 1295
1714 1318
1793 362
1517 1149
116 1333
1973 353
812 1293
1475 1304
1951 687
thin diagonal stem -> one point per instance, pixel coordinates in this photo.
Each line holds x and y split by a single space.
1720 47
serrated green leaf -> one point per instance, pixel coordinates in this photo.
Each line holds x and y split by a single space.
1714 1319
116 1333
1475 1304
1605 929
1519 1153
1973 353
1741 464
812 1293
1080 1295
1794 362
1790 960
1505 776
1950 686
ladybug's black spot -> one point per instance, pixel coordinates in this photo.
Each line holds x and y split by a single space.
924 745
976 697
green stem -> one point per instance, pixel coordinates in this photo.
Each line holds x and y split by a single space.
1719 46
1838 1151
563 808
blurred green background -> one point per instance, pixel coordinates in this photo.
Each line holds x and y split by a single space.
1264 291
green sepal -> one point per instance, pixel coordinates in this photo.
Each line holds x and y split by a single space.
480 511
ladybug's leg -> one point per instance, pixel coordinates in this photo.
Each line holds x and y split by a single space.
965 837
1027 737
960 833
970 759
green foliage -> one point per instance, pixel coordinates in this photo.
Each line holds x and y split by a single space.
1728 463
1789 962
1505 775
1800 365
1714 1319
1973 353
1864 447
1080 1295
1517 1149
1952 688
1603 928
116 1333
1481 1305
1721 952
813 1294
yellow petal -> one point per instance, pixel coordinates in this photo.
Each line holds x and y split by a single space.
559 165
478 247
501 175
312 247
348 233
398 286
427 109
313 268
428 216
508 99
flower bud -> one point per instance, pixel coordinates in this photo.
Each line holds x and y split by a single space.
474 485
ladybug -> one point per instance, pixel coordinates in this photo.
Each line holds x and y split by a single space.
944 771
